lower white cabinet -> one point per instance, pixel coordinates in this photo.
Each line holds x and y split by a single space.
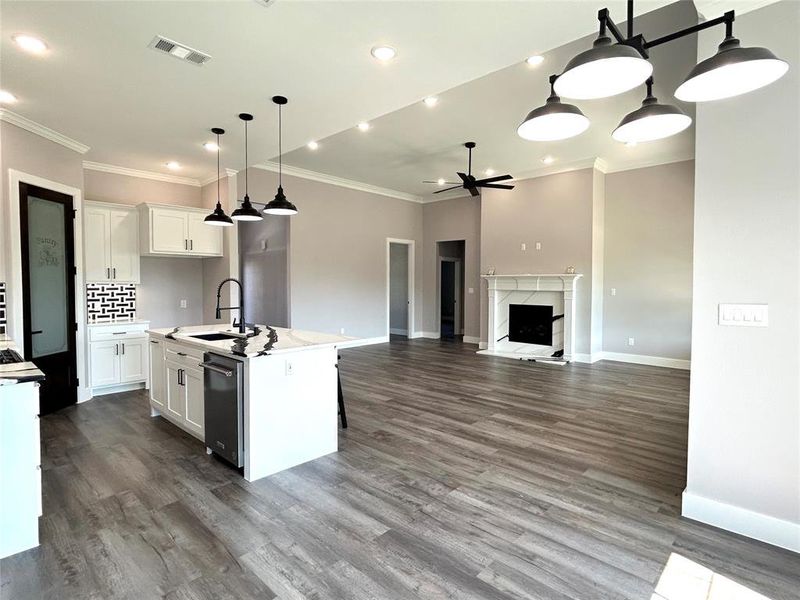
118 357
176 385
20 468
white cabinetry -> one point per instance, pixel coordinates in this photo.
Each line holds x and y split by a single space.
20 468
118 357
179 393
177 231
157 391
111 243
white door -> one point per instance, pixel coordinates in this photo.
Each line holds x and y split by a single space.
104 363
124 246
176 394
169 231
133 360
195 404
204 239
157 374
96 232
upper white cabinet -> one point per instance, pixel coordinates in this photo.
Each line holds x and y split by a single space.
111 242
177 231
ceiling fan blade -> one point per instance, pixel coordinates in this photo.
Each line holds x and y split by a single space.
474 191
493 179
465 178
496 186
455 187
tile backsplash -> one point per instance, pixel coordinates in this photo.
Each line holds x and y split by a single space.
110 302
3 309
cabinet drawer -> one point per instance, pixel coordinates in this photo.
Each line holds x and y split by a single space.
186 355
117 331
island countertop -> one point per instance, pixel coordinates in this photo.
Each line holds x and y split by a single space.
271 340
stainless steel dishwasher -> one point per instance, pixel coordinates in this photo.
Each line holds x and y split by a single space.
224 408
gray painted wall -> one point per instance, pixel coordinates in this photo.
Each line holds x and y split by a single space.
124 189
338 253
744 421
398 286
648 260
165 282
456 219
555 210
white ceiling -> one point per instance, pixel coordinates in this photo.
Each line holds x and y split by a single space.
101 85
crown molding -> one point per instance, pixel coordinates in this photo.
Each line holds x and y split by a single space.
632 165
555 168
439 198
116 170
339 181
42 131
213 178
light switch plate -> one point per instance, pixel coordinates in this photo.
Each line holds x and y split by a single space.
471 290
744 315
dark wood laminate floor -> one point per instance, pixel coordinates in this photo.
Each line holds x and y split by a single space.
460 477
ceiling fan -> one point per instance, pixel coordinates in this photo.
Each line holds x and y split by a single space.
468 181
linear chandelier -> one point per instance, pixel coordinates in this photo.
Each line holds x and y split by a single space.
610 68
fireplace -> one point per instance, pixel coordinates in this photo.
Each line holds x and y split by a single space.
530 324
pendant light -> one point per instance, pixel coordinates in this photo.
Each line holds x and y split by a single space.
280 205
607 69
553 121
218 217
732 71
652 121
246 212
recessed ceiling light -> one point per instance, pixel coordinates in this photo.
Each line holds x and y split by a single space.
440 181
535 60
29 43
363 126
7 97
211 146
312 145
174 166
548 160
383 53
489 172
430 101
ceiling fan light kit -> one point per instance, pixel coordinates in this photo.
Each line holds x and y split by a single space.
610 68
468 181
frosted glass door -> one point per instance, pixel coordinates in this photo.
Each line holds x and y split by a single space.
48 278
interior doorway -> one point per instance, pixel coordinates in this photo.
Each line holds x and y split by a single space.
451 289
400 287
48 292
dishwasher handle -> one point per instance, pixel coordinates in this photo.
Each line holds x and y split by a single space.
216 369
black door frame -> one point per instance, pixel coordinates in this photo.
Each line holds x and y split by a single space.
26 189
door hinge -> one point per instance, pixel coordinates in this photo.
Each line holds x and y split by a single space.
75 270
76 326
74 213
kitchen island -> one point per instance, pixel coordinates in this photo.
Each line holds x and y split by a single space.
288 389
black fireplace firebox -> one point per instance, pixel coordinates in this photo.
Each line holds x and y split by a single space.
530 324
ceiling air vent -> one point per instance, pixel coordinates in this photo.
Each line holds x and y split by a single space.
178 50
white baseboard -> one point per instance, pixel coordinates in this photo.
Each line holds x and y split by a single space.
115 389
415 334
765 528
364 342
398 331
471 339
482 345
430 335
642 359
586 358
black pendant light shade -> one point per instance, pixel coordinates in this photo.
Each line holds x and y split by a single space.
218 217
651 121
553 121
606 69
246 212
280 205
733 70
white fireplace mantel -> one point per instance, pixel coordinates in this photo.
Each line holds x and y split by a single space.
554 289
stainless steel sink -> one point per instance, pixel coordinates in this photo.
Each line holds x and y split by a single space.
215 337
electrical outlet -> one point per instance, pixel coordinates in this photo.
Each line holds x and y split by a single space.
289 368
523 246
263 244
341 331
183 303
613 291
538 245
631 342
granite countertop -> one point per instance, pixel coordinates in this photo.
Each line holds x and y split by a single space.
270 340
17 372
118 322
